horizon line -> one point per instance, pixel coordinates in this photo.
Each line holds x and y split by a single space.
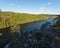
29 12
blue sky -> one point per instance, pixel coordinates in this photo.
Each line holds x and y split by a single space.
31 6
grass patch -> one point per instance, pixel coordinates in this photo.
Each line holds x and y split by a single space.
13 19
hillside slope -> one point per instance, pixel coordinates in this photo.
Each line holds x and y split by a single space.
12 19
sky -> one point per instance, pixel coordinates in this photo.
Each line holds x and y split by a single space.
31 6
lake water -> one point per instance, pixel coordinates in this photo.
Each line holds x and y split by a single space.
35 25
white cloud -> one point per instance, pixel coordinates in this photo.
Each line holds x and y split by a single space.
45 10
49 3
10 4
41 10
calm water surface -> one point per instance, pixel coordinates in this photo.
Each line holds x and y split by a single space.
35 25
